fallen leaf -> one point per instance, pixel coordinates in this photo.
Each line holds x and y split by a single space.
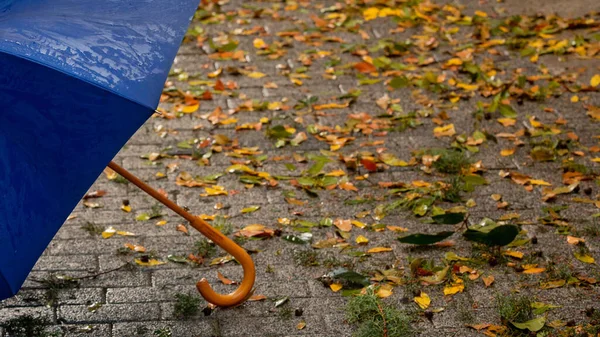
379 250
423 300
335 287
149 263
256 74
224 279
107 233
182 228
444 131
362 240
595 80
573 240
488 280
585 258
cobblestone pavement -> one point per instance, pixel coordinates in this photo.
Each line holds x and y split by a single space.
338 115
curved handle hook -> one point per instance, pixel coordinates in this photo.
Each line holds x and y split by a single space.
245 289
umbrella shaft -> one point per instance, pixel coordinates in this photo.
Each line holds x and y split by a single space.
196 222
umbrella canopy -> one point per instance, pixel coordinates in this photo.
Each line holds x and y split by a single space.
77 79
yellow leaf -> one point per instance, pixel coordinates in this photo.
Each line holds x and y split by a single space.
188 109
150 263
371 13
553 284
397 228
468 87
110 174
539 182
585 258
358 224
482 14
301 325
454 62
379 250
534 270
385 290
361 239
110 231
296 81
574 99
256 74
124 233
161 223
507 152
596 160
507 121
423 300
444 131
336 173
126 208
331 106
259 43
228 121
454 288
335 287
595 81
214 190
514 253
214 73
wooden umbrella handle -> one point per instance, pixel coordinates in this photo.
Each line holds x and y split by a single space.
245 289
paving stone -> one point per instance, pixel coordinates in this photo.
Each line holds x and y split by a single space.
109 313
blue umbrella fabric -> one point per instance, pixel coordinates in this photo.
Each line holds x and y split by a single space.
77 79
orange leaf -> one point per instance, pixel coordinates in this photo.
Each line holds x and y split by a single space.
488 280
365 67
224 279
257 298
183 229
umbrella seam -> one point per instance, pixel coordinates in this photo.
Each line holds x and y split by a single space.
78 78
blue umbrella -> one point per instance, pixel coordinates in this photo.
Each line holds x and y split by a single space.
77 79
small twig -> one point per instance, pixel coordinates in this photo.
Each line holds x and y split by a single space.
101 273
385 333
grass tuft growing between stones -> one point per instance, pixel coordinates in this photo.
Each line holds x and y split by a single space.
514 307
186 305
26 326
375 318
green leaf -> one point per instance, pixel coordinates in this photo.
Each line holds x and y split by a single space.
353 278
449 218
399 82
507 111
498 236
142 217
250 209
279 132
425 239
184 145
533 325
177 259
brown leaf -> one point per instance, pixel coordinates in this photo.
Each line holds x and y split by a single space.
183 229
